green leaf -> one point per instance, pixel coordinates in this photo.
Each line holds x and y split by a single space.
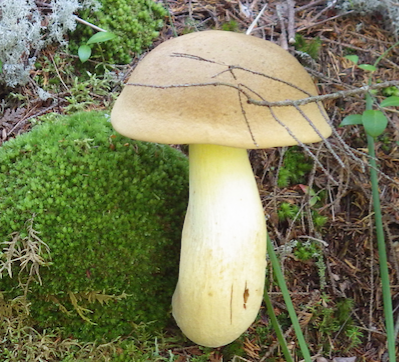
313 201
368 67
101 37
351 120
374 122
352 58
84 53
390 101
1 66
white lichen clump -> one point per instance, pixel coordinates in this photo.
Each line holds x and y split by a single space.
26 28
387 8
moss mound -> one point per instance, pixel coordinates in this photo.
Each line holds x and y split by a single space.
110 210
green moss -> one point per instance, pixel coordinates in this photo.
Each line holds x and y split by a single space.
310 47
295 168
287 211
334 319
110 210
231 25
135 22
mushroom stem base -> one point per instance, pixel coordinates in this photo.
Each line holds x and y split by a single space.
223 254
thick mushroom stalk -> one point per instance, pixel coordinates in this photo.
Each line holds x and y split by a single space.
223 254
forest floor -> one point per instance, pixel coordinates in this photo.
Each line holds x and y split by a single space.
321 218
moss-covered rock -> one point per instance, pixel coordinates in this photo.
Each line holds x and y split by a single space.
135 22
110 210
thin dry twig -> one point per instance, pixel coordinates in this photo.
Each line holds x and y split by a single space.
248 93
291 21
285 103
280 8
320 98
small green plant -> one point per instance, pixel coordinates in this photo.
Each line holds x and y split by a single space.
309 47
374 123
354 336
333 320
311 250
135 24
80 86
305 251
288 211
318 220
291 212
295 167
390 91
387 142
315 198
84 50
231 25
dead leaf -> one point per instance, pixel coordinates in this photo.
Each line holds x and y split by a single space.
11 116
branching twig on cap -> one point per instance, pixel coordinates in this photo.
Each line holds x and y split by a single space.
250 96
336 95
298 102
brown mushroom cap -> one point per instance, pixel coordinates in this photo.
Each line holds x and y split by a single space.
214 114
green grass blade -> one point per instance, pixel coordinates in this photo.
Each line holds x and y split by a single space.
382 253
386 289
277 328
287 299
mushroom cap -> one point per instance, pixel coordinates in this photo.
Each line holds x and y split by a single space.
203 113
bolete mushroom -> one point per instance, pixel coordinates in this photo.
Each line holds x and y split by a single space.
190 90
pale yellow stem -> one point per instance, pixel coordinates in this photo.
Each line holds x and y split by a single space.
223 254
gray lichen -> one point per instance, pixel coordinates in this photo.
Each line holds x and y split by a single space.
387 8
26 28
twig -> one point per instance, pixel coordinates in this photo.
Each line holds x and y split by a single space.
283 36
244 114
250 94
58 73
291 21
330 5
285 103
84 22
297 102
309 5
251 27
325 20
336 95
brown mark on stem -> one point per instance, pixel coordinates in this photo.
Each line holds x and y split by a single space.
245 295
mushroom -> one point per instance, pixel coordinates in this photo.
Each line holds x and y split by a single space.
193 90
